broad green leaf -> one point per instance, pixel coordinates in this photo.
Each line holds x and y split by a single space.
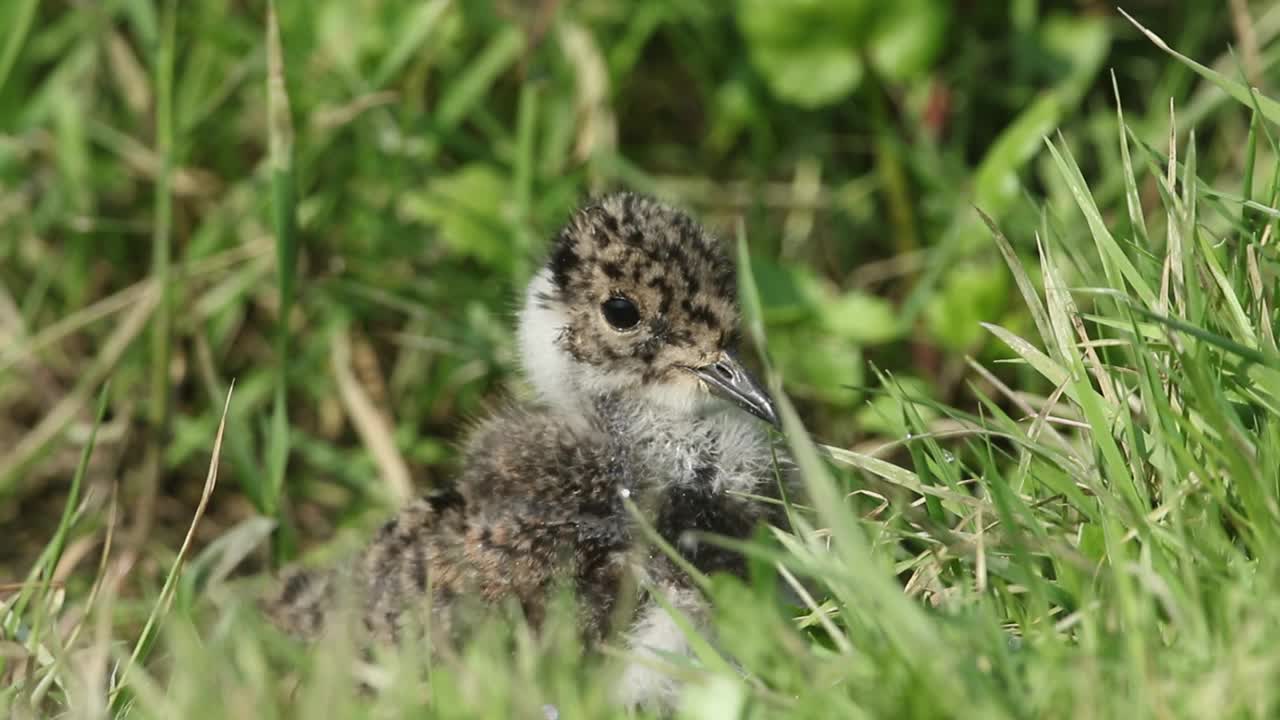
969 294
810 76
862 318
795 23
787 293
819 364
806 50
908 36
1084 43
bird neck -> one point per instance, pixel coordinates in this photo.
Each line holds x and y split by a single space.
622 415
719 448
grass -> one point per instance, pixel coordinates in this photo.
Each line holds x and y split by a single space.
1042 468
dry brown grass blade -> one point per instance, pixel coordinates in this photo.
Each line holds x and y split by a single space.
326 119
20 352
13 587
373 426
146 164
128 74
70 406
165 600
1247 38
597 126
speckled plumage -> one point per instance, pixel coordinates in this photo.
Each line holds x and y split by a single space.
621 414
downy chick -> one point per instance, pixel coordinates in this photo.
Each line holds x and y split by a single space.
627 337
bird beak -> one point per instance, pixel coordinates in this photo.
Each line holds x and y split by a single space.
728 379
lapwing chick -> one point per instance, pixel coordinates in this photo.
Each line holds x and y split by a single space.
627 336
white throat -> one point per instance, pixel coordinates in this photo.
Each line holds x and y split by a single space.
676 426
547 366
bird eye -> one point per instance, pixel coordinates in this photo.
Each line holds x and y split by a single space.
620 312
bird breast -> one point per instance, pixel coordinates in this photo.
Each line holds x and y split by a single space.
721 452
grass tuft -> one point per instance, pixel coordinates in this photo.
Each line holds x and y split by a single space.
1040 441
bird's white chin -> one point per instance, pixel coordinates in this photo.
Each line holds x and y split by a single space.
685 396
561 381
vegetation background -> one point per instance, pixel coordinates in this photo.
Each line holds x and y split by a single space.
337 213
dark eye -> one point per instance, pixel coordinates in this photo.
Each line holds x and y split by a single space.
620 312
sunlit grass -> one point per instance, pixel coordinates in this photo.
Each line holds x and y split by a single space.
1076 519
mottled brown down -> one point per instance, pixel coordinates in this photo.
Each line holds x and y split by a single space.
541 502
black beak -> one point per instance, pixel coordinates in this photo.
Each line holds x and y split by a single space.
727 378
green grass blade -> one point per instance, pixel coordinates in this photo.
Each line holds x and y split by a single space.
284 217
59 542
1247 353
41 574
468 89
1250 162
1043 364
1115 262
1239 91
1133 203
413 34
20 15
1025 287
752 308
159 393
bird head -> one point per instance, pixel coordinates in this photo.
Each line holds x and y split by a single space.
637 300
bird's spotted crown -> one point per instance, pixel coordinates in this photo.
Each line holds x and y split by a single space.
637 303
626 247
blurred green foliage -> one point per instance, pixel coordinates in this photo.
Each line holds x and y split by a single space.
1063 434
438 144
812 52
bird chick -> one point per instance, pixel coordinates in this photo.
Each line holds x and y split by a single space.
627 337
